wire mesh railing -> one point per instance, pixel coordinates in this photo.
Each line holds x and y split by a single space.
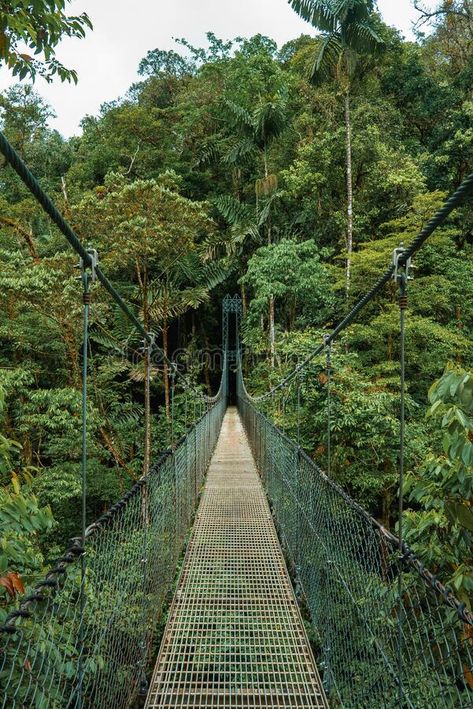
67 648
348 567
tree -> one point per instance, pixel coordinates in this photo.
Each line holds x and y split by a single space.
452 23
347 31
257 131
443 485
185 286
41 26
22 521
143 229
292 275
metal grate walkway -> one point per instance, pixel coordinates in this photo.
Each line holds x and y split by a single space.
234 637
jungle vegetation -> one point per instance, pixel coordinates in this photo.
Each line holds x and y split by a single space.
286 174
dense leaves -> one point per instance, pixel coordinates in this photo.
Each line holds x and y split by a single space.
38 25
225 169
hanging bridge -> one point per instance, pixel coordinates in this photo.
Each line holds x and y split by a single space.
376 629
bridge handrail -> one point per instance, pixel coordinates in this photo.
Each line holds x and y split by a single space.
408 556
30 181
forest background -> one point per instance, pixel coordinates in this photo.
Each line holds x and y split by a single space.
286 174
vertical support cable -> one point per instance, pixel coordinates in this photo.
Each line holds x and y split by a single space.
196 483
147 442
85 344
143 680
299 409
145 520
207 418
173 376
328 372
185 410
177 509
402 310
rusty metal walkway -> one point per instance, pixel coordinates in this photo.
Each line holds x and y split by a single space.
234 637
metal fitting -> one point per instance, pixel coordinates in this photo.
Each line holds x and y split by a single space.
94 262
402 269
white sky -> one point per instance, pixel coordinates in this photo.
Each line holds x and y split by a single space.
107 59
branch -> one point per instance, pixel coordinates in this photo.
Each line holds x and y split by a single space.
133 159
109 444
442 11
26 235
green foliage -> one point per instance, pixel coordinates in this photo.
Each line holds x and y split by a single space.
293 274
41 26
22 520
442 487
23 523
347 29
224 169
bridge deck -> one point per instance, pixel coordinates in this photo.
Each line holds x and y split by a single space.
234 637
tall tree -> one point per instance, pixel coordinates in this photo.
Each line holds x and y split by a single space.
257 130
347 31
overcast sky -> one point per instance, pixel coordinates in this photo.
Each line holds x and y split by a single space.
124 31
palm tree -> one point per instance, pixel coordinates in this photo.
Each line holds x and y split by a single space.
346 31
185 286
254 133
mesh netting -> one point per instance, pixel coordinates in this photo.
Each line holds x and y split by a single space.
349 568
64 648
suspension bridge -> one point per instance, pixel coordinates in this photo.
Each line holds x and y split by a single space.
271 533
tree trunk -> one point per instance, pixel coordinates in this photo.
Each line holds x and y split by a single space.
349 190
244 303
147 383
27 236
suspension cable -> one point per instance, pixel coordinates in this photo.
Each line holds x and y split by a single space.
464 192
52 211
30 181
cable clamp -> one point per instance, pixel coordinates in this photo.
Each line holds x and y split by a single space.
328 345
149 342
94 262
402 269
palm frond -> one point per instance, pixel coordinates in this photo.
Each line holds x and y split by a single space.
209 153
108 342
121 330
266 211
328 58
348 11
319 13
213 273
232 210
225 243
270 119
242 119
361 37
239 151
241 219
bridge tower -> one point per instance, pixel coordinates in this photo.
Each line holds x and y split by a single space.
231 318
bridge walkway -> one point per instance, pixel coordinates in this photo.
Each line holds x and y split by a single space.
235 637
